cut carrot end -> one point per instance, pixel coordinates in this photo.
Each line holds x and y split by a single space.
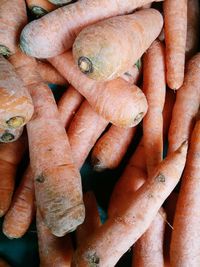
4 51
15 122
85 65
6 138
38 12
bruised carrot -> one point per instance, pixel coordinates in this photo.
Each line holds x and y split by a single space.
95 56
10 135
16 107
12 19
138 211
175 16
185 246
69 104
116 101
154 87
56 179
40 8
53 251
3 263
111 148
132 75
92 218
186 106
55 33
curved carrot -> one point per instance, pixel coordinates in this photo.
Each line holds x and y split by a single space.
139 210
116 101
40 8
41 39
186 105
16 107
175 16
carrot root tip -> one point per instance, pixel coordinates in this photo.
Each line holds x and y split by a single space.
15 122
85 65
183 146
4 51
6 138
38 12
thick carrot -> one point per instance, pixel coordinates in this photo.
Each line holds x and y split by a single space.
154 87
16 107
12 19
175 16
117 101
186 106
10 135
55 33
111 148
49 74
3 263
132 75
56 179
185 245
53 251
10 156
193 21
139 210
40 8
92 219
68 105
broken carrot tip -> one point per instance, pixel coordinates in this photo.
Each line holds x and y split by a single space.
85 65
7 137
15 122
38 11
4 51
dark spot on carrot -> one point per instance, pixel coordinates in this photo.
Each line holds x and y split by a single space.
7 137
93 260
4 51
38 12
160 178
85 65
138 117
40 178
15 122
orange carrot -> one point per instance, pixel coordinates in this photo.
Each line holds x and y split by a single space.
193 21
40 8
10 135
12 19
69 104
16 107
95 56
117 101
56 179
10 156
175 16
53 251
138 211
154 87
132 75
49 74
185 245
55 33
3 263
186 106
92 219
111 148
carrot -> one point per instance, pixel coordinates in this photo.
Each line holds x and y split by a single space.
49 74
56 179
154 87
10 156
193 21
60 2
116 101
10 135
69 104
55 33
111 148
3 263
53 251
139 211
16 107
12 19
185 246
175 16
95 56
132 75
40 8
186 106
92 219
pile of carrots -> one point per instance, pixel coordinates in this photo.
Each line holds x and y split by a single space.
128 67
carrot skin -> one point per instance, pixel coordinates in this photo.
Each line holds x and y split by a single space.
132 75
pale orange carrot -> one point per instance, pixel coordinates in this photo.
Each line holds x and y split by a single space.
116 101
175 16
40 8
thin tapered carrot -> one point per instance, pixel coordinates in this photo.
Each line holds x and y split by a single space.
138 211
69 104
111 148
3 263
12 19
16 107
185 245
154 87
10 156
186 105
56 179
55 33
193 21
95 56
10 135
175 16
53 251
92 218
116 101
40 8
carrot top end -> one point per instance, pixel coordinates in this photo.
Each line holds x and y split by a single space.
85 65
7 137
5 51
15 122
38 12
